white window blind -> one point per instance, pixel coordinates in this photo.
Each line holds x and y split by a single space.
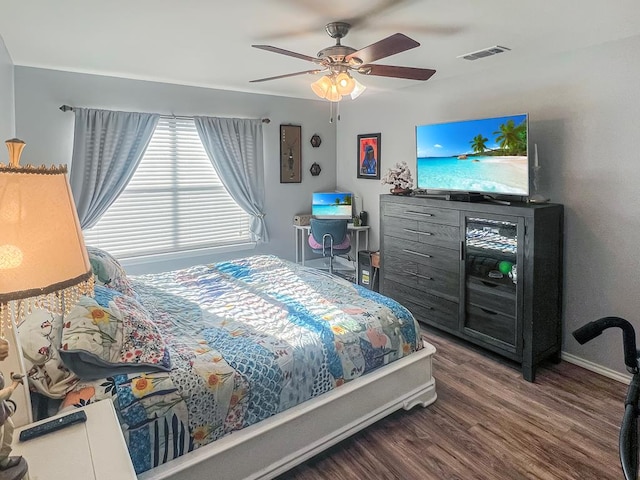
174 202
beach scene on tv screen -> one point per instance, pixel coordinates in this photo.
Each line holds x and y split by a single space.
486 155
331 204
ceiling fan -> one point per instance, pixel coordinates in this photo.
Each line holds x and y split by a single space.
339 60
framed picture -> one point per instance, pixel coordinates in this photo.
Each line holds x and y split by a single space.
290 154
369 156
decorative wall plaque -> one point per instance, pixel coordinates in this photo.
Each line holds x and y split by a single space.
290 154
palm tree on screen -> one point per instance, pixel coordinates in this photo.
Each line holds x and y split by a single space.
509 136
478 144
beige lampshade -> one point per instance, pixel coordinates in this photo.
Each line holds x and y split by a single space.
43 258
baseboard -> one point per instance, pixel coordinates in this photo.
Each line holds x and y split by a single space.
594 367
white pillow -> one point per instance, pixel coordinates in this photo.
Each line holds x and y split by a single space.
40 335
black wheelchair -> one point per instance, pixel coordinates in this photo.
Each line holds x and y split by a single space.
628 443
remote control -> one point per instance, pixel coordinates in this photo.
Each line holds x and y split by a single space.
52 425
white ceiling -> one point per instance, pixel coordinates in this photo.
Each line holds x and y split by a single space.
208 42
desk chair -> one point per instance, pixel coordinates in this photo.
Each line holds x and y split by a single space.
329 238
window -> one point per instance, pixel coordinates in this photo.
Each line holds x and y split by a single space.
174 202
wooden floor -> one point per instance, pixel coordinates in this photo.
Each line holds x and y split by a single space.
488 423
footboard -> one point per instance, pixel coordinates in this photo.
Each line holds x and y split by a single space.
277 444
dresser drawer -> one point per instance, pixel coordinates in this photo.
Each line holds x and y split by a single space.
423 278
425 307
497 298
421 212
421 253
421 231
491 324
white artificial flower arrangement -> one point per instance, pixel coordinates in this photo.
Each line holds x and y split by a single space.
399 177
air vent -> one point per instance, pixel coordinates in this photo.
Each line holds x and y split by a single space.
485 52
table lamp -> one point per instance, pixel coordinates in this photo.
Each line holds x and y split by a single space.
43 259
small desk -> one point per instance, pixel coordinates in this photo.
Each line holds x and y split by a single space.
302 232
92 450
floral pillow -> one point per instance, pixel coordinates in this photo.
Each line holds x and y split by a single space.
40 339
111 334
108 271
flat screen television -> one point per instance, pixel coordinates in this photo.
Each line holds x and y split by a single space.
332 205
489 156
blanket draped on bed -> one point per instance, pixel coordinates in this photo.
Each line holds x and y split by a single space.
247 339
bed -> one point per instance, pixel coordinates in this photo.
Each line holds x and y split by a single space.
244 368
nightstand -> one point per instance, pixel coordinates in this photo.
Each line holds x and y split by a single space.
94 449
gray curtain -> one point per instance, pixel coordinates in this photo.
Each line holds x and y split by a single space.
234 147
107 148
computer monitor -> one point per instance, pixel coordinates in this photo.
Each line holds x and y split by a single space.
332 205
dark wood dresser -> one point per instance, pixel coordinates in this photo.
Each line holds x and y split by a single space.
486 272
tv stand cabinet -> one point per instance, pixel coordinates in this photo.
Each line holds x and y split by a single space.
488 273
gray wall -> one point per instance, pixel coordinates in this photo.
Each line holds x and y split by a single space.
585 118
49 135
7 103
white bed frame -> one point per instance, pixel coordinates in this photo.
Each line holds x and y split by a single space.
279 443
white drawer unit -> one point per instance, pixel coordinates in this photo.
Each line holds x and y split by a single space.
94 449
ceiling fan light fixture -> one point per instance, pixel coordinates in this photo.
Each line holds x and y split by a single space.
333 95
358 89
321 86
345 83
337 60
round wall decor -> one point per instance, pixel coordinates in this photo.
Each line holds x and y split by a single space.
315 169
315 140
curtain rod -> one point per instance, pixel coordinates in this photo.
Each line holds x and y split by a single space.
67 108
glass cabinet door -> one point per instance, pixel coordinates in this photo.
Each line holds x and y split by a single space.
491 279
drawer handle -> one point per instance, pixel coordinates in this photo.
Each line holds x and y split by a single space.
416 253
490 312
421 305
411 212
416 231
420 276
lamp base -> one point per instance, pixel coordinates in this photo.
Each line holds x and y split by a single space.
16 472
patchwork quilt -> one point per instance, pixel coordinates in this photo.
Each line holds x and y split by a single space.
246 339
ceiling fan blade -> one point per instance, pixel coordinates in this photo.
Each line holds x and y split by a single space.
285 76
384 6
340 12
386 47
428 29
410 73
293 33
282 51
